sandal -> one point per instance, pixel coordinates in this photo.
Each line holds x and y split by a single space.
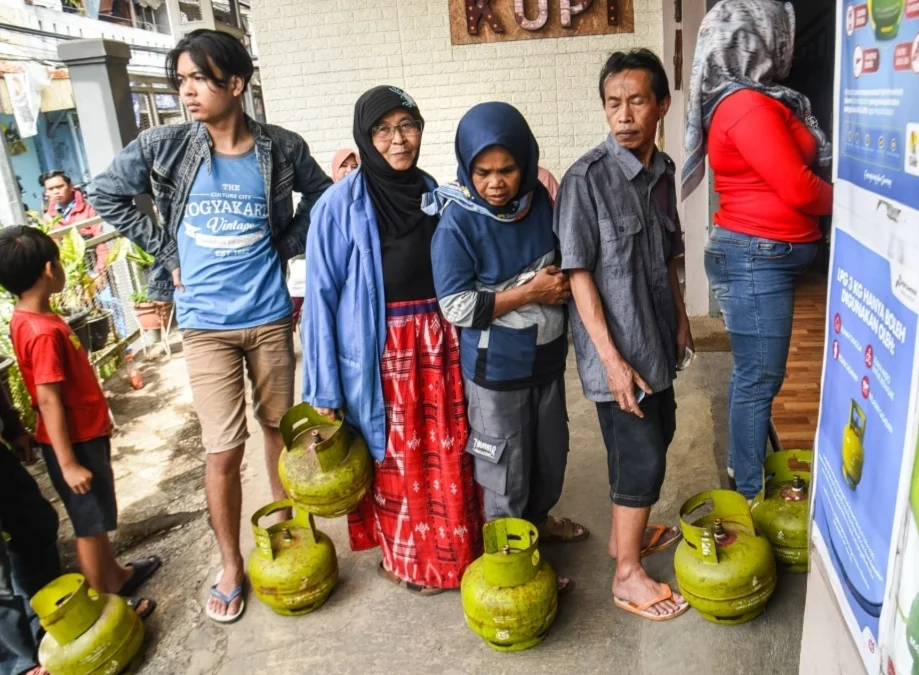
548 531
655 545
143 606
642 610
407 585
567 588
142 570
227 599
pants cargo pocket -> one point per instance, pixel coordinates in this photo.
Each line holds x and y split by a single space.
490 461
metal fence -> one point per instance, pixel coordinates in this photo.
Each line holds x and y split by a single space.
109 308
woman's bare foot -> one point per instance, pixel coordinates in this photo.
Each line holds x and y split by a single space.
638 588
669 535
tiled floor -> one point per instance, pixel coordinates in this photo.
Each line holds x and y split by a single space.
795 410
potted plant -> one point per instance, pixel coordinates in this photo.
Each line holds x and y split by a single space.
150 315
91 324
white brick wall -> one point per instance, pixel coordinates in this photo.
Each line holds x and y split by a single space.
318 56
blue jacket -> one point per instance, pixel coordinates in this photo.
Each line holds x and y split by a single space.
344 310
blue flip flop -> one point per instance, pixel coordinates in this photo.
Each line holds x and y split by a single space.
223 597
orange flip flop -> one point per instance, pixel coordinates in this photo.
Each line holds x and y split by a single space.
642 610
659 531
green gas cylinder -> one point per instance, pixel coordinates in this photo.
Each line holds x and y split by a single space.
781 510
325 467
724 569
293 568
885 17
88 633
509 594
853 450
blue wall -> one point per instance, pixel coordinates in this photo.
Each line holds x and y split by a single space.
44 153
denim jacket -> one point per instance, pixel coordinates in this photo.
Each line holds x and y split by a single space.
164 162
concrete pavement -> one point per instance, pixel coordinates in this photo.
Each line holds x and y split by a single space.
369 626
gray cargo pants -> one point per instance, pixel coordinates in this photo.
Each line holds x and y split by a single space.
520 443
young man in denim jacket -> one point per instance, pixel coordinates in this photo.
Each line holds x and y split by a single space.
223 187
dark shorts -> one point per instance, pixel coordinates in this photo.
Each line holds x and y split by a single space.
96 512
636 449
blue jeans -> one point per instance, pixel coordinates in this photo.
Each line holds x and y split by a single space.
754 281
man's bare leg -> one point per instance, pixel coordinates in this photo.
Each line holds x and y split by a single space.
632 583
223 486
672 533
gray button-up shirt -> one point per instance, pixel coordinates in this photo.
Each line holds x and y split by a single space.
618 220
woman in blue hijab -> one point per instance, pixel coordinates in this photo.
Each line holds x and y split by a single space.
494 259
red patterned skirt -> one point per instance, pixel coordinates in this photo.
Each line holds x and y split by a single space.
423 511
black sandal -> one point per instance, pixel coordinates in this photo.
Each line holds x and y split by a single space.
408 585
143 606
141 571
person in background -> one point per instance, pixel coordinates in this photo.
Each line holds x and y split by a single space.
223 185
763 146
344 162
68 203
619 233
549 182
376 345
30 559
73 423
495 256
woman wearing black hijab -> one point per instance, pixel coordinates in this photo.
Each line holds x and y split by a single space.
376 346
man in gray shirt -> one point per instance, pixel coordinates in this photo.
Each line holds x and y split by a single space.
619 234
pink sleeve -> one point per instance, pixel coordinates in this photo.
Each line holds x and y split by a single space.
548 180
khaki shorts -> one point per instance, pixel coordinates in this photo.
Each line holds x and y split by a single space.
215 359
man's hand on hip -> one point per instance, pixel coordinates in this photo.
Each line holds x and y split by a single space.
177 279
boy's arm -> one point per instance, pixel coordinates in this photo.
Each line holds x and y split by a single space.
54 417
112 194
310 181
46 352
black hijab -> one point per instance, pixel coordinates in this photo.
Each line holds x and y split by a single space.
396 195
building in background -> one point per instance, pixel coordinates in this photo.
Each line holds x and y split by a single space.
29 34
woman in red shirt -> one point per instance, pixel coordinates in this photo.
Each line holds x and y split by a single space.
763 144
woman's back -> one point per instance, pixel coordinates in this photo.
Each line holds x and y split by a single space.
761 156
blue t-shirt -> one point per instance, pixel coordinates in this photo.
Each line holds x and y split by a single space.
230 270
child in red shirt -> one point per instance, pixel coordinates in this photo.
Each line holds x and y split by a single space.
73 417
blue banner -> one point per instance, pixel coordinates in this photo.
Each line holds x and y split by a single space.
878 134
863 423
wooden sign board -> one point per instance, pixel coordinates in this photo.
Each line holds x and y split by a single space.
478 21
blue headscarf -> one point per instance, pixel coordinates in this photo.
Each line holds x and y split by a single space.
484 126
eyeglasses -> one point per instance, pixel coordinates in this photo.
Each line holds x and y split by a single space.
409 128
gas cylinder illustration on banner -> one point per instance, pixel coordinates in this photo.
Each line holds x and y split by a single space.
853 450
509 594
325 466
724 569
293 568
781 510
87 632
885 17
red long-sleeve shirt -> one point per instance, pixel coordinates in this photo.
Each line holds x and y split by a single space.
761 156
